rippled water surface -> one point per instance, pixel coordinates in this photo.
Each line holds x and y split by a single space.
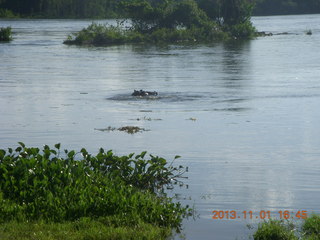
244 116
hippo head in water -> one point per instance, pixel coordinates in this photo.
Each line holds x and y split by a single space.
142 93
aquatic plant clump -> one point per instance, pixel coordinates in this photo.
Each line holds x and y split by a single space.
127 129
131 129
39 184
104 35
5 34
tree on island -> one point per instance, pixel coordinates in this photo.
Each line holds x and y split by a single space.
230 15
173 21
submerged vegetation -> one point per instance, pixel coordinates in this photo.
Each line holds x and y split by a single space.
5 34
309 32
172 22
281 230
127 129
145 118
131 129
54 189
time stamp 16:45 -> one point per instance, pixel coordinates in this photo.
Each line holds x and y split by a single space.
233 214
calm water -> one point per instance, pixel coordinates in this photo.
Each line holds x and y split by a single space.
253 146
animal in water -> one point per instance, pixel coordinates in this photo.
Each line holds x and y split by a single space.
142 93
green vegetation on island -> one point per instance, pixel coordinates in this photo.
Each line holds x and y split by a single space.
54 194
172 22
5 34
286 230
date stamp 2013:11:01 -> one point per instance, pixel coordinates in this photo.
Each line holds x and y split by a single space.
233 214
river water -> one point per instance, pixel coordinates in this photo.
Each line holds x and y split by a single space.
244 116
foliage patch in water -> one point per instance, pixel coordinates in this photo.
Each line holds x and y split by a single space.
131 129
5 34
127 129
145 118
309 32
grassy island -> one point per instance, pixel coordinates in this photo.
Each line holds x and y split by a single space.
5 34
171 21
52 194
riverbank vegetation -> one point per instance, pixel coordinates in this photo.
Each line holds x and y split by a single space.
112 9
62 9
5 34
55 194
285 7
5 13
281 230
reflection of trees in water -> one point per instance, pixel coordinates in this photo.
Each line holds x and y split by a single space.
233 80
235 64
221 69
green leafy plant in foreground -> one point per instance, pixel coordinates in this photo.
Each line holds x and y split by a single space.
286 230
275 230
41 185
82 229
311 227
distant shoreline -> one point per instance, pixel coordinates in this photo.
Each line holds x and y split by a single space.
112 18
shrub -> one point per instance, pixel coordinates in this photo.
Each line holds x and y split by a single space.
311 227
5 34
149 16
99 34
5 13
275 230
103 35
187 14
242 30
280 230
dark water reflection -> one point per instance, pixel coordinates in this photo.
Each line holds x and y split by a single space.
243 115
